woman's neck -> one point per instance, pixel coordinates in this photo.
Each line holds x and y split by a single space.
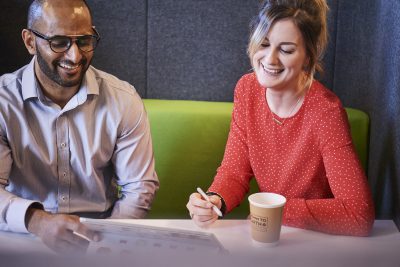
286 103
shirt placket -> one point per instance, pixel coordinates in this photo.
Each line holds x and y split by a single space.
63 166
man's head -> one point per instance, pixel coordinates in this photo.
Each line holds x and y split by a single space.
48 19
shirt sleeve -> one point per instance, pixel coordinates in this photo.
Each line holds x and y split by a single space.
233 176
351 210
133 162
12 208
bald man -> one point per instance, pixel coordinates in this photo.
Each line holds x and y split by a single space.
69 134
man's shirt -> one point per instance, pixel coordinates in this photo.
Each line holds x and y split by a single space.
72 159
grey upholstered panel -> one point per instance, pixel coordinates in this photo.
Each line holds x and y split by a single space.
329 58
367 76
122 49
13 18
197 49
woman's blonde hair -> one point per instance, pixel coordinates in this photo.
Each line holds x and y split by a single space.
310 18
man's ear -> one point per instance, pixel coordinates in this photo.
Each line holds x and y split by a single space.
29 41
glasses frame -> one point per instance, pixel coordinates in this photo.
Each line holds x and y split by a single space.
72 39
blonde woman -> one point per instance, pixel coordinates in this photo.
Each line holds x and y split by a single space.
289 131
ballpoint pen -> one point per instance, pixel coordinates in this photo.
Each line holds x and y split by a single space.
215 208
82 236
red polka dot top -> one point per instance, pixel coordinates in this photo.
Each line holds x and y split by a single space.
310 159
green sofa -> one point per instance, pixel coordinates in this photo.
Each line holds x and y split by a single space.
189 139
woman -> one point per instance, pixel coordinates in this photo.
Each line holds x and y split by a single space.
289 131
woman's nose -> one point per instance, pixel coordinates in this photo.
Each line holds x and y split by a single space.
272 56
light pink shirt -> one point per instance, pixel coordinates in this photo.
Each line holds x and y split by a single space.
72 159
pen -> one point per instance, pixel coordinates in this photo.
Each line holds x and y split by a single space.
215 208
82 236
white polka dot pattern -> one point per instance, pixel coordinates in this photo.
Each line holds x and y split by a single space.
310 159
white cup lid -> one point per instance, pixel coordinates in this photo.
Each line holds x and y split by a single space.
267 200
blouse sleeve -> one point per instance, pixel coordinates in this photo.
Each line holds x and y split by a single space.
351 210
233 176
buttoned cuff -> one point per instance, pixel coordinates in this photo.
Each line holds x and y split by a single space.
16 212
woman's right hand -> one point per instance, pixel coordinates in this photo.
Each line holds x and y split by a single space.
201 210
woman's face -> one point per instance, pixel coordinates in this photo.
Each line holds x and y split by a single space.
279 62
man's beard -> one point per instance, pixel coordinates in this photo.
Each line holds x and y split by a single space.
53 74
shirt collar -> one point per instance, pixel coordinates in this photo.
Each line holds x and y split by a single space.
31 88
89 81
29 84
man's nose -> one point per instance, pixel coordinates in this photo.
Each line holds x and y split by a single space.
74 54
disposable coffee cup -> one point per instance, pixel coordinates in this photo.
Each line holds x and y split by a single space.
266 218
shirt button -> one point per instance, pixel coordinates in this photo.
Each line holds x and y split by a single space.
63 198
64 174
62 145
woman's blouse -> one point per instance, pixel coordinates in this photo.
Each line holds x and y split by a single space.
310 159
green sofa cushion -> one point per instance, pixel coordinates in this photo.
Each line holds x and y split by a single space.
189 139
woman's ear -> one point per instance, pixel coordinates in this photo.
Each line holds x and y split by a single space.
29 41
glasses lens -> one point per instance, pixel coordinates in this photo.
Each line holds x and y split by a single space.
60 44
86 43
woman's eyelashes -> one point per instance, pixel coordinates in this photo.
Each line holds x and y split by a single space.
287 51
283 50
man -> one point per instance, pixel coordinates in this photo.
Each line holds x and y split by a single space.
69 134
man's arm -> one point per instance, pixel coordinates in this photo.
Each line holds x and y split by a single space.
134 164
12 207
12 210
28 216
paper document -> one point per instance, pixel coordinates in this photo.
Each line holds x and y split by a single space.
123 238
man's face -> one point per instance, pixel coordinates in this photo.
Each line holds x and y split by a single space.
64 72
68 68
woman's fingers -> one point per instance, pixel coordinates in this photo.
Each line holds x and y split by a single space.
201 210
196 200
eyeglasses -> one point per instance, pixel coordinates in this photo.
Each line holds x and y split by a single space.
61 43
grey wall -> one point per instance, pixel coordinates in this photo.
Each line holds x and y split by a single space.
196 49
367 76
171 49
123 48
12 50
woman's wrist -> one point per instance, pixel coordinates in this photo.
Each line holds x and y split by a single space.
223 205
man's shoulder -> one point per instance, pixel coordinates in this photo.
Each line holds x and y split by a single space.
117 94
111 84
11 80
8 81
11 83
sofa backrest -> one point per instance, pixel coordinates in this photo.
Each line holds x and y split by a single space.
189 139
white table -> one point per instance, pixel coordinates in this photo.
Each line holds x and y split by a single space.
297 247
